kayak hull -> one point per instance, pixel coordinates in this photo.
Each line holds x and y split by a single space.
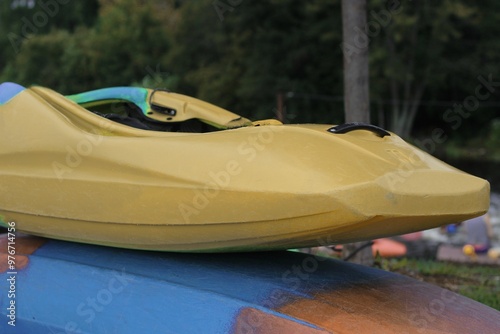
250 236
69 174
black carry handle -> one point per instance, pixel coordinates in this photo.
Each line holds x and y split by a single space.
348 127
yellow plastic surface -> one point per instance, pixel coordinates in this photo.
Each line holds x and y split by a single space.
189 108
69 174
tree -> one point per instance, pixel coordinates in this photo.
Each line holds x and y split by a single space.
356 91
21 20
411 53
260 49
126 44
356 78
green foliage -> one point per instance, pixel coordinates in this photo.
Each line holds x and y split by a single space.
481 283
260 49
45 49
117 50
126 39
419 51
20 24
484 292
494 135
492 142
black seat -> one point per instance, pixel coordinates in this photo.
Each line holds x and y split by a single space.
126 120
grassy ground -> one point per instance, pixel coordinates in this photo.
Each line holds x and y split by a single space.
481 283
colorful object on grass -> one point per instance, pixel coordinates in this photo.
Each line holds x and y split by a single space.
387 247
193 177
469 250
494 253
479 233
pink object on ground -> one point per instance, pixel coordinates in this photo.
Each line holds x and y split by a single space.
388 248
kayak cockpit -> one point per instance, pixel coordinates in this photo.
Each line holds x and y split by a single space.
137 108
158 110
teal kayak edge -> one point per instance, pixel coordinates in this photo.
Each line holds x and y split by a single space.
134 95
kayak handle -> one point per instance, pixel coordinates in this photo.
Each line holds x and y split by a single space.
348 127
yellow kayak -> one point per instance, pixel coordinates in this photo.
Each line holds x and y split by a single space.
149 169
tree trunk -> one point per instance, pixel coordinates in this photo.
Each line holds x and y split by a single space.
355 47
356 88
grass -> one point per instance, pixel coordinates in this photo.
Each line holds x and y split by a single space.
477 282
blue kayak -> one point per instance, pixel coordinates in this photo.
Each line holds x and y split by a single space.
63 287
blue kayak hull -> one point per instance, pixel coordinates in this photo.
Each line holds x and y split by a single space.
63 287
